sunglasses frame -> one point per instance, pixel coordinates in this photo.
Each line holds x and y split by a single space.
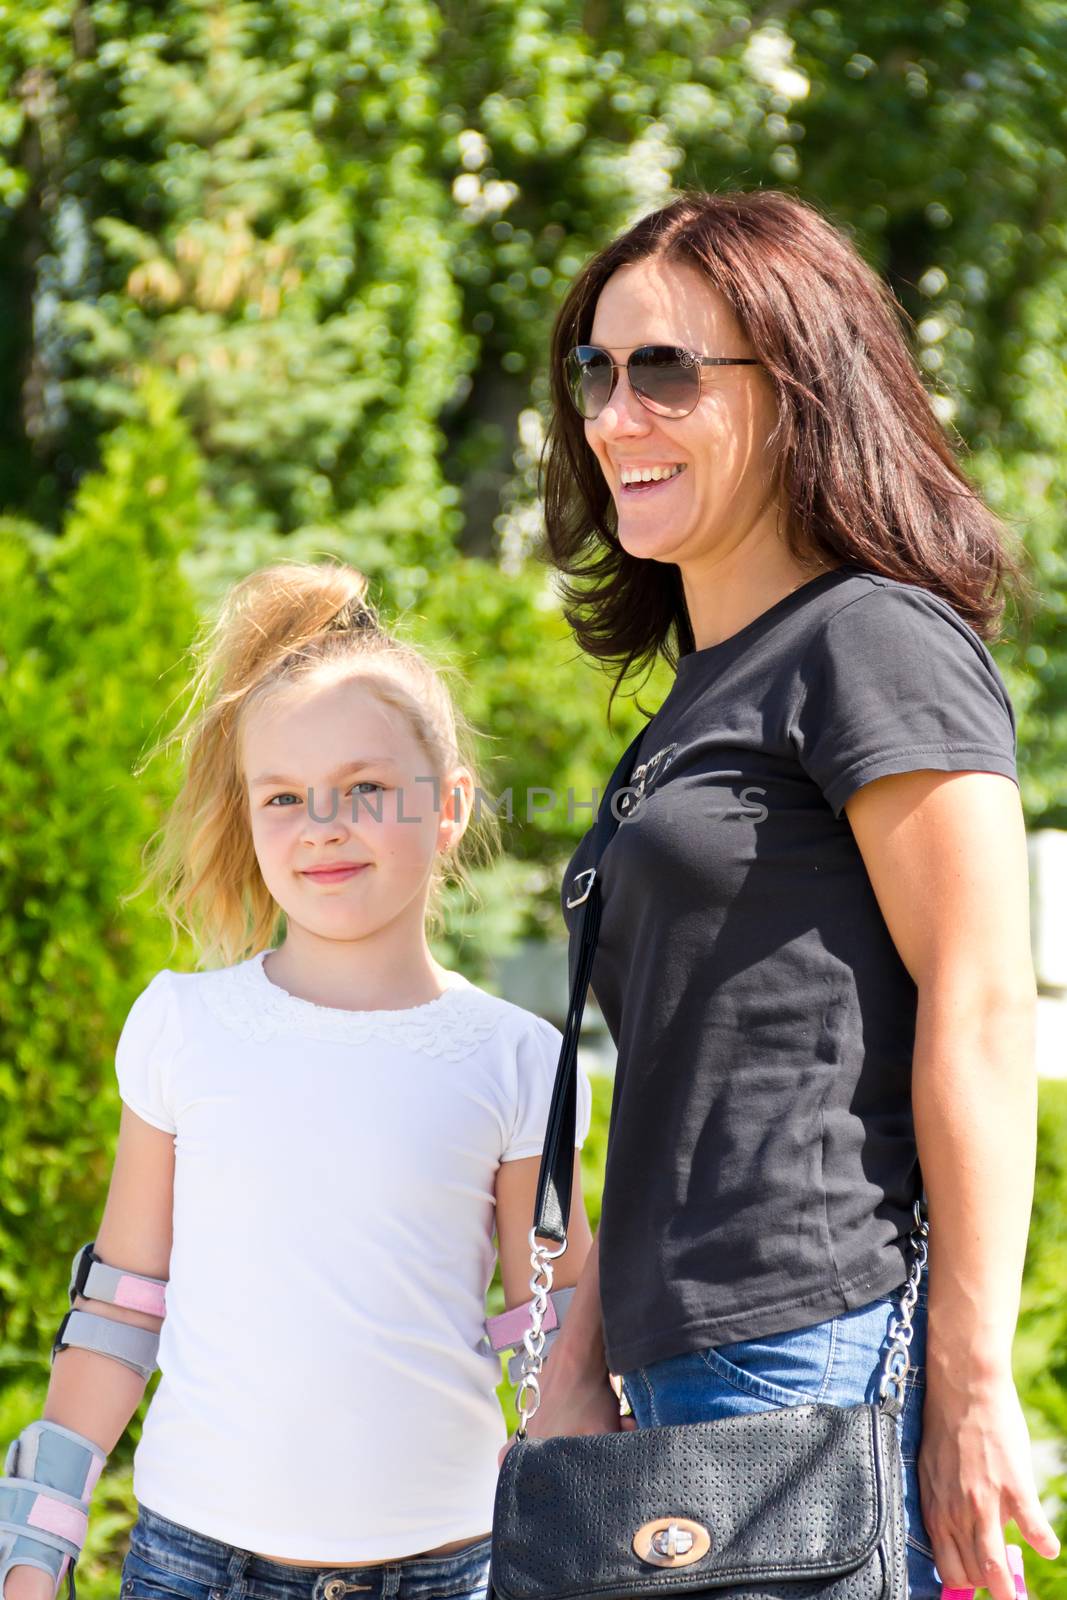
695 360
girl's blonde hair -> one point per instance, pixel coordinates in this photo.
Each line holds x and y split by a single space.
279 630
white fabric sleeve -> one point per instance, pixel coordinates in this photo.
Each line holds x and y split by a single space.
145 1050
537 1058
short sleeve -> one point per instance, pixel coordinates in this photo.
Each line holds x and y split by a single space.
896 682
537 1060
144 1052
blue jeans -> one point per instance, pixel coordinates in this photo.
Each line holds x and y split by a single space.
169 1562
839 1362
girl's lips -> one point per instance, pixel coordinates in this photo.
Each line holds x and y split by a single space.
334 875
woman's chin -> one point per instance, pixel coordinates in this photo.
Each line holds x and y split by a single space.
647 542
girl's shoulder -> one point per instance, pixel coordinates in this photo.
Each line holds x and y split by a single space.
507 1053
243 1001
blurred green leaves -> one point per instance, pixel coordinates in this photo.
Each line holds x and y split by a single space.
277 279
92 632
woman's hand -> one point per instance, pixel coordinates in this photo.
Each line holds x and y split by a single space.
576 1390
28 1583
976 1474
574 1404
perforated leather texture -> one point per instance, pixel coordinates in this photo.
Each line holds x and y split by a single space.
800 1503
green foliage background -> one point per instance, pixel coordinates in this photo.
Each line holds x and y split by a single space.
276 279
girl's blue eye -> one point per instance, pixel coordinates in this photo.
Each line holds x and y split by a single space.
363 783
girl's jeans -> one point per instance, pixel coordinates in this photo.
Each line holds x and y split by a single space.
169 1562
839 1362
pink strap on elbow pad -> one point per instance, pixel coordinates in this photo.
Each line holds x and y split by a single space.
141 1294
506 1330
93 1279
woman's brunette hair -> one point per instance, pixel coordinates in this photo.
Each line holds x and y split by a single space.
866 471
282 632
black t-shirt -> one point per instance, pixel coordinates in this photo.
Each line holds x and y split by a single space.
761 1163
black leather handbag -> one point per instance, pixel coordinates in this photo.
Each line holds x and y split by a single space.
799 1503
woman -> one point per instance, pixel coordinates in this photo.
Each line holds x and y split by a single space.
814 954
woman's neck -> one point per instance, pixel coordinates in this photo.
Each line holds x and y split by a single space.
733 594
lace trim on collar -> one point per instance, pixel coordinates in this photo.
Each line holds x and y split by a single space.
450 1027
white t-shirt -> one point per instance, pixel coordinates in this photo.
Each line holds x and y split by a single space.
327 1391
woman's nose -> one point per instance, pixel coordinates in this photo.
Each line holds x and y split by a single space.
624 414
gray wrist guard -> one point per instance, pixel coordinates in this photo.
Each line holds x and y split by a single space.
50 1473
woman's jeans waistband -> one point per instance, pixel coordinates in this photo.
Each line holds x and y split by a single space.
167 1561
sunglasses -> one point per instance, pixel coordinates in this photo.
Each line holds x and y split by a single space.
664 377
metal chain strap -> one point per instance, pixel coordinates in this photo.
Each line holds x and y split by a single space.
902 1329
541 1259
894 1374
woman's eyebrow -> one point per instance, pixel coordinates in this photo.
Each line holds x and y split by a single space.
355 765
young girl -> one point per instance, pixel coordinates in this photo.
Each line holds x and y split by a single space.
319 1138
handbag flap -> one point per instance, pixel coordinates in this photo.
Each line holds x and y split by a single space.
796 1493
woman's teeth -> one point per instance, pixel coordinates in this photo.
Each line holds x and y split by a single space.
632 475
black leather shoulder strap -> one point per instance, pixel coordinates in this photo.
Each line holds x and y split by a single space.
552 1207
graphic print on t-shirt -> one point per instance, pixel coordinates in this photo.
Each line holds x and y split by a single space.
642 779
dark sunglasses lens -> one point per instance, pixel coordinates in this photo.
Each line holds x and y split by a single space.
590 378
665 379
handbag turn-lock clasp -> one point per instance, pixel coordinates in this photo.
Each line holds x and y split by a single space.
671 1542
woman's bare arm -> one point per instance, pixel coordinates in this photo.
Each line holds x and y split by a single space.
946 855
93 1394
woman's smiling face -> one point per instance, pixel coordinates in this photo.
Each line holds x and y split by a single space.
726 490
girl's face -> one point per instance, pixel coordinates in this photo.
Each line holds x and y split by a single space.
724 496
337 777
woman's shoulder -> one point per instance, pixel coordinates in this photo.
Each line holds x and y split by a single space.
871 604
893 679
882 637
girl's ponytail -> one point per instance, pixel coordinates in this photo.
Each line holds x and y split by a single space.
276 612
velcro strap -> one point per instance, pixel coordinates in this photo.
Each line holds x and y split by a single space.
507 1330
50 1517
56 1516
95 1280
136 1348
